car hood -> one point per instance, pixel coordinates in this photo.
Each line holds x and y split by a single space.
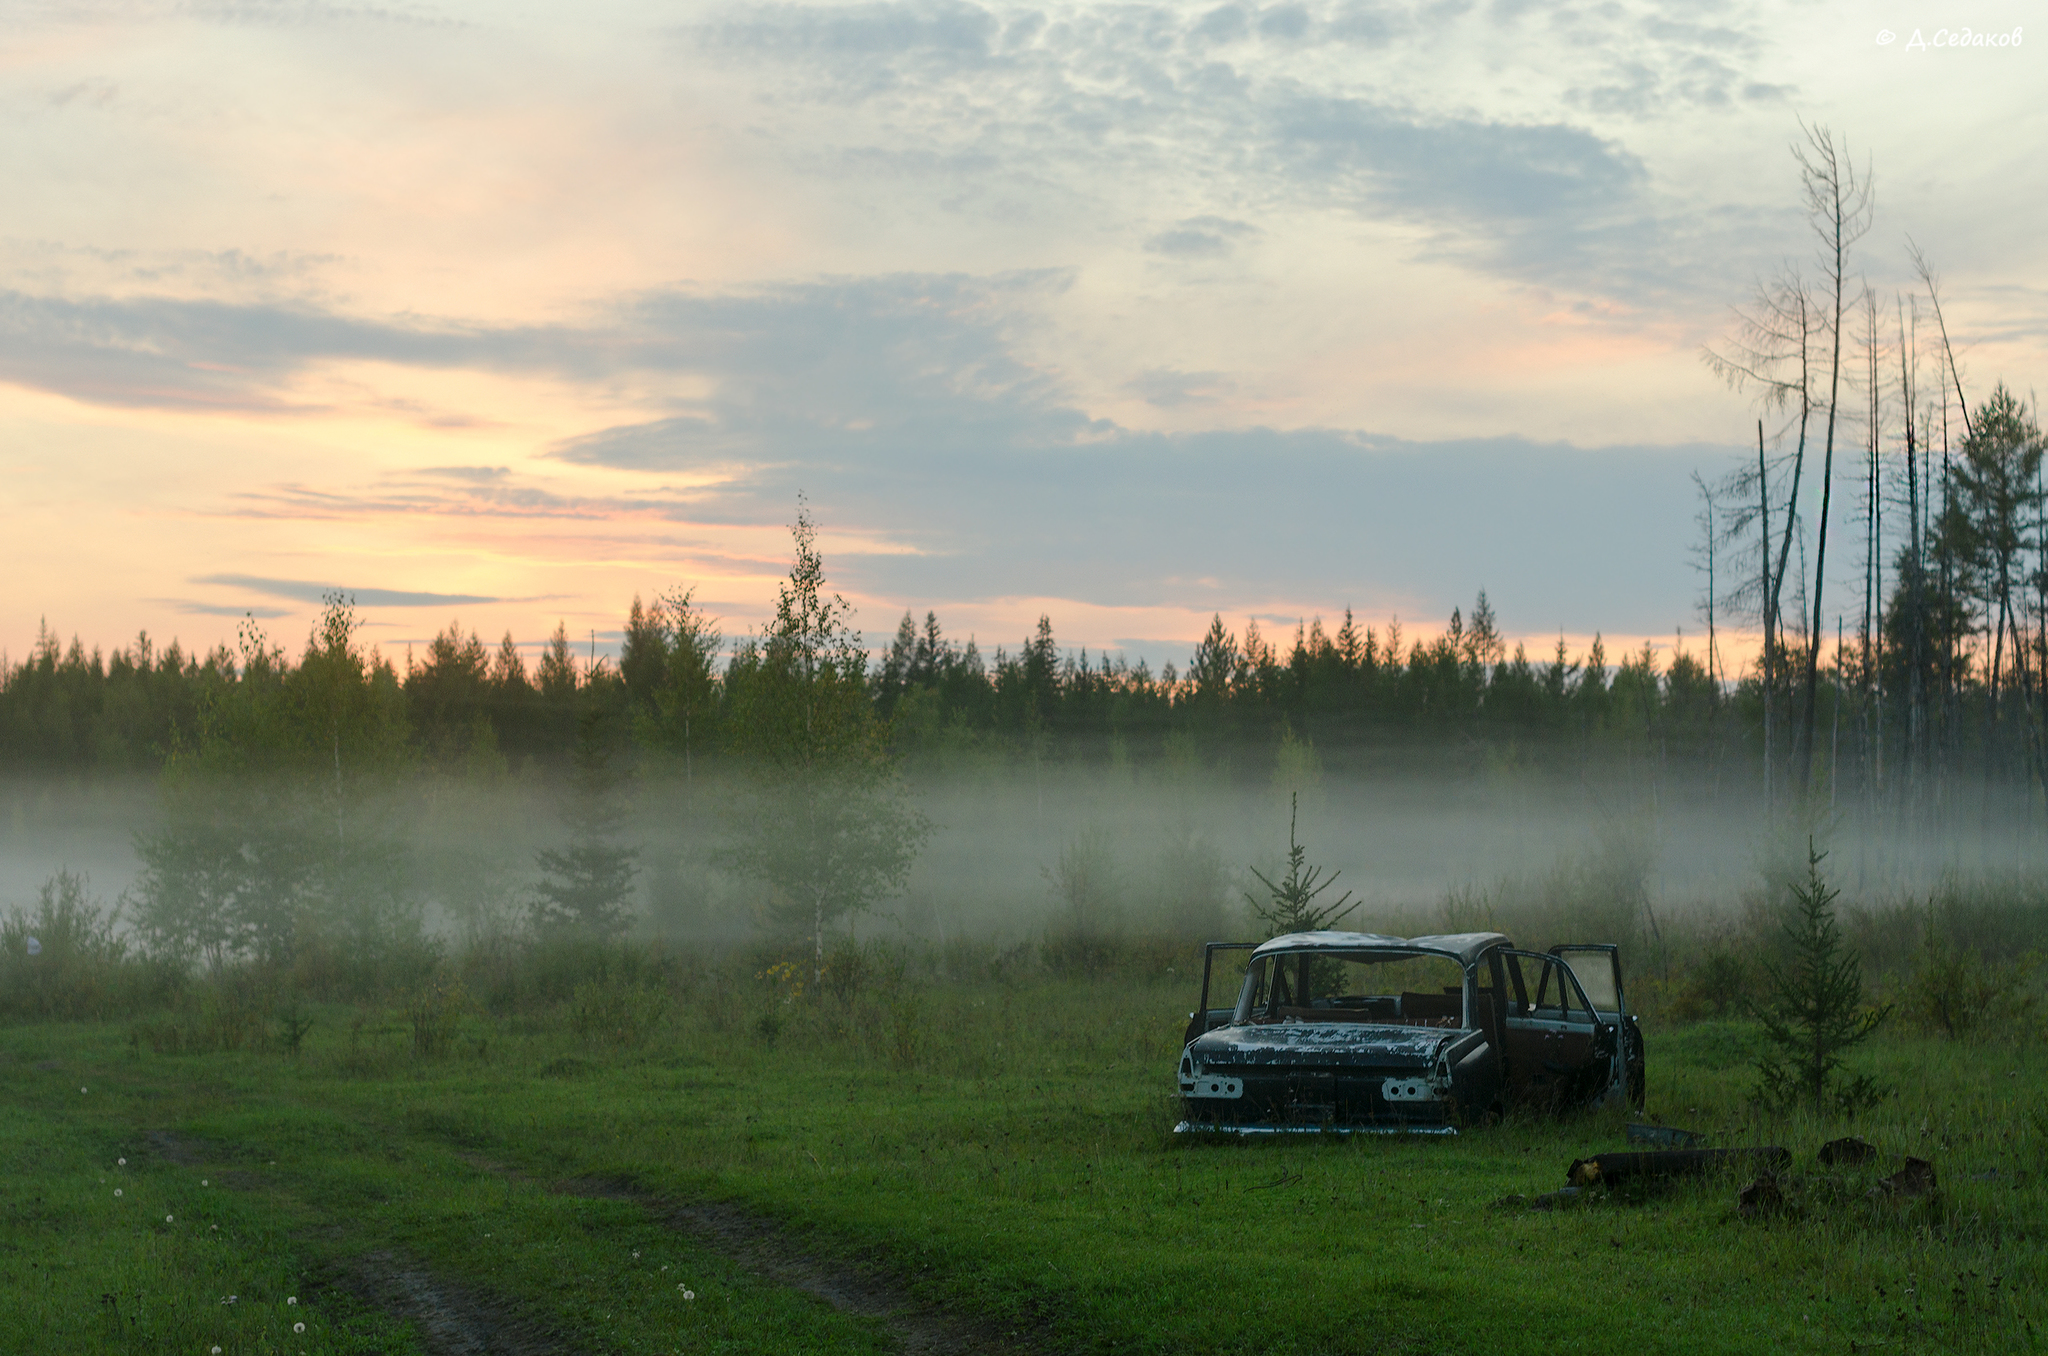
1332 1043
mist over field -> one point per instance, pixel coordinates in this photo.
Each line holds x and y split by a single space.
1161 850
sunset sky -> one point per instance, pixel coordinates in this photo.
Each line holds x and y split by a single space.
1123 313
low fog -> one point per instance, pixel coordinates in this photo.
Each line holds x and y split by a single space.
1158 851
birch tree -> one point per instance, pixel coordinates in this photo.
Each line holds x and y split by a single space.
825 823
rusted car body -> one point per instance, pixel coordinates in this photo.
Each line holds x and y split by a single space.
1355 1031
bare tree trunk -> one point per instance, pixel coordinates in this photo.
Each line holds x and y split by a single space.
1916 596
1873 581
1841 205
1763 485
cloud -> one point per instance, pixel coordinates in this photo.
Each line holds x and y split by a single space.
901 406
1167 389
481 475
197 609
1518 138
165 352
1460 168
1575 538
894 358
1202 237
1219 99
306 591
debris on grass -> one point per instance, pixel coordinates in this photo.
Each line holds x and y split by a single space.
1614 1169
1760 1198
1916 1178
1665 1136
1846 1151
1549 1200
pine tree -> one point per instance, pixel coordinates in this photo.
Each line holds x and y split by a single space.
1290 905
586 887
643 654
688 702
1815 1010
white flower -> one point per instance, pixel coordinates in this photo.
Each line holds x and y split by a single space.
292 1300
202 1181
298 1327
120 1162
636 1254
117 1191
81 1089
689 1294
212 1227
167 1219
216 1351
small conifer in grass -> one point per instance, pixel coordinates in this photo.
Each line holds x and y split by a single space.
586 887
1290 905
1814 1010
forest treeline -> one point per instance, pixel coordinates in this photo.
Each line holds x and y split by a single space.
671 693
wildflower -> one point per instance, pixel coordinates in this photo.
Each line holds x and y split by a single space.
120 1162
81 1089
216 1349
167 1219
202 1181
292 1300
689 1294
117 1191
298 1327
636 1254
212 1227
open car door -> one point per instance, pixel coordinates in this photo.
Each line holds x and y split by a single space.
1206 1018
1597 967
1550 1036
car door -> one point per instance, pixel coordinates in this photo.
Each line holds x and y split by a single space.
1597 966
1226 981
1549 1031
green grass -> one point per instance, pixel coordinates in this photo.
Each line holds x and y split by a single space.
1003 1151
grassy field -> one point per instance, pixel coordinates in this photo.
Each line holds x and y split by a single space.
997 1154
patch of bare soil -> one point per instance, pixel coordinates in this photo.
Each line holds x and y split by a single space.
763 1247
452 1321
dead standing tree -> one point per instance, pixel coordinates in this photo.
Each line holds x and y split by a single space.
1838 205
1771 352
1774 351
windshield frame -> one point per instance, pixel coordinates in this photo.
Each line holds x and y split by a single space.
1241 1014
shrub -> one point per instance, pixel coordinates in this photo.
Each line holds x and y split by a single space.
433 1013
80 966
1955 992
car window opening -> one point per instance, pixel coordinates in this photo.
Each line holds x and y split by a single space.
1401 989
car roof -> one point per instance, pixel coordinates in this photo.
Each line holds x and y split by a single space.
1465 947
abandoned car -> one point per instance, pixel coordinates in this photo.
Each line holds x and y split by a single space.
1353 1031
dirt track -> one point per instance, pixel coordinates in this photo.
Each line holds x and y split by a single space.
457 1320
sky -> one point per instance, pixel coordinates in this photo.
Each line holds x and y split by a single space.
1125 314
